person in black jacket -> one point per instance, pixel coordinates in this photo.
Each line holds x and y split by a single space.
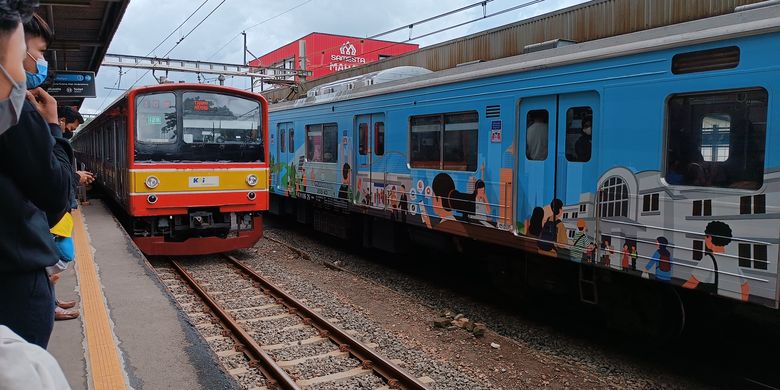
35 181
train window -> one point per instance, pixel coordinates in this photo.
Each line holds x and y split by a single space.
579 134
425 150
536 134
282 140
379 138
460 141
213 118
363 139
291 144
445 141
716 139
156 118
322 143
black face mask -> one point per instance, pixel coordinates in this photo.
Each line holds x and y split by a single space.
67 134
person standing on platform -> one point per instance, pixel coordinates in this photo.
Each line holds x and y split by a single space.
35 180
69 120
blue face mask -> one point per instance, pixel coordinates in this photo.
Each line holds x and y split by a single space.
34 80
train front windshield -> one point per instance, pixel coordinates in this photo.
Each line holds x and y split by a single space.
194 126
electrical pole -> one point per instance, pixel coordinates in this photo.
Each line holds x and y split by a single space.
244 34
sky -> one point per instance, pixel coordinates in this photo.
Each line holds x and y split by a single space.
272 24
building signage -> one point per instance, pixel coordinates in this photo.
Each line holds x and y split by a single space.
73 84
347 58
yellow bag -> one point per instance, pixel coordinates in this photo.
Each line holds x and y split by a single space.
63 228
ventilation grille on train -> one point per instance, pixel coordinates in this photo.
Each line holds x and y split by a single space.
493 111
706 60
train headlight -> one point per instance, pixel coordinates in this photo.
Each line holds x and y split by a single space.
152 182
252 180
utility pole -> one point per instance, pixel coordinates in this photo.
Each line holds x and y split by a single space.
244 34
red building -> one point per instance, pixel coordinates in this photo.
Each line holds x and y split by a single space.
327 53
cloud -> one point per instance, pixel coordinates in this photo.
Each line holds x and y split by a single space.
147 22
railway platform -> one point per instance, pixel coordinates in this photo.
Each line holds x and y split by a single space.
129 334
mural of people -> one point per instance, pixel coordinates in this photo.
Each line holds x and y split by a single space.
582 246
446 200
634 255
482 205
606 251
403 203
344 192
661 260
553 236
719 277
533 225
625 256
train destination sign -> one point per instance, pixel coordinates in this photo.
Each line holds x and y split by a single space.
73 84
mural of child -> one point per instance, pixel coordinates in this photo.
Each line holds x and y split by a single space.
724 277
634 255
661 260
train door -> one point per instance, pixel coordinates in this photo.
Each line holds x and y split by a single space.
285 151
370 170
536 155
576 161
554 154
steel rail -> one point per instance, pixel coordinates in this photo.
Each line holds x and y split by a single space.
396 377
276 377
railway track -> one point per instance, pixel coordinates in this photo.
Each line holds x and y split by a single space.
268 339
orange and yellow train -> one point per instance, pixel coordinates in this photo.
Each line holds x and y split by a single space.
186 162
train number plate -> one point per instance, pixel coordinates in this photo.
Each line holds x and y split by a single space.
204 181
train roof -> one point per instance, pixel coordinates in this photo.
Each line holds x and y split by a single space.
749 22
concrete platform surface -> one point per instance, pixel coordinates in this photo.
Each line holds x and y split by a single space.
156 348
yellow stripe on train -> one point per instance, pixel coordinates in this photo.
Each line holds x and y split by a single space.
184 180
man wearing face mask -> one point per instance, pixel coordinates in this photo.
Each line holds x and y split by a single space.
35 181
70 120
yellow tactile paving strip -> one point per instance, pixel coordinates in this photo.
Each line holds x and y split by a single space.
103 363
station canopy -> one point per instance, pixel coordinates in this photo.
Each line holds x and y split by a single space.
83 30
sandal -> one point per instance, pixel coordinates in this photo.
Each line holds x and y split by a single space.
63 315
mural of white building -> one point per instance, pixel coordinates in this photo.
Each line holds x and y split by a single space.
641 207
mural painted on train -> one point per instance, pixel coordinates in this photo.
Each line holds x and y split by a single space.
617 162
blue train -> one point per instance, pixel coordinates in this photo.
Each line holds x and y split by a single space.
653 154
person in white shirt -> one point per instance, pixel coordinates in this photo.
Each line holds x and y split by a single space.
27 366
536 139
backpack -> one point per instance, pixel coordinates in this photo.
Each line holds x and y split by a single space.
664 264
548 235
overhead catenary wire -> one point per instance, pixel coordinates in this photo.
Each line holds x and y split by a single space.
410 39
432 18
177 28
256 25
119 79
181 39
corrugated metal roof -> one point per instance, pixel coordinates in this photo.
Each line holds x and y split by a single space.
83 29
584 22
